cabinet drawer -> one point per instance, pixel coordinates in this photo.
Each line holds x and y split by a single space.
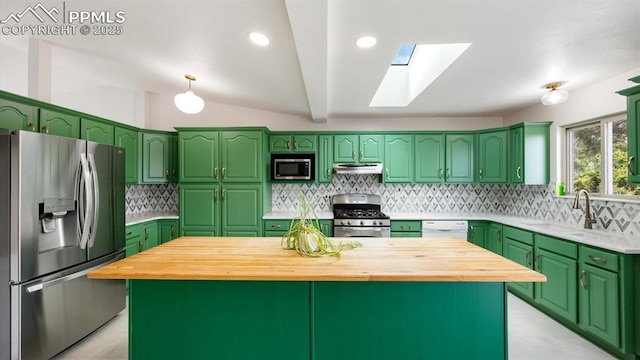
276 225
406 225
557 246
600 258
523 236
134 232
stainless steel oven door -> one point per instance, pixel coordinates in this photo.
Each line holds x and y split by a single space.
361 231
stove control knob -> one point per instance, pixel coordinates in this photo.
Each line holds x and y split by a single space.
344 222
361 222
348 222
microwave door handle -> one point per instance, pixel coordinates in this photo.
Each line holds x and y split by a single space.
86 192
96 199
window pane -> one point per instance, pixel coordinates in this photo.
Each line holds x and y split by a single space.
619 142
586 158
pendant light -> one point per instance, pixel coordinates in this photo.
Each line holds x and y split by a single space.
555 95
188 102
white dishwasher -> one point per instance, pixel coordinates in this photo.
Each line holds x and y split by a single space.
434 229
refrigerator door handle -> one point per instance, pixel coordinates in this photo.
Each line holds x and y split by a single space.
46 284
85 192
96 199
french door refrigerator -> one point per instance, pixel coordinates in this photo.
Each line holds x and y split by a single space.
61 215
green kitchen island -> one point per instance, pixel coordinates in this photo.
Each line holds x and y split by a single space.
247 298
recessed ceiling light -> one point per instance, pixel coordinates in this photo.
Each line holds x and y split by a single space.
259 39
366 41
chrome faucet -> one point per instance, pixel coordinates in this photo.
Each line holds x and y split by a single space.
589 219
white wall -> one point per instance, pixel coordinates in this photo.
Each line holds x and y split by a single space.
592 102
13 67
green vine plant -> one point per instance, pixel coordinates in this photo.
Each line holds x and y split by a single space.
305 237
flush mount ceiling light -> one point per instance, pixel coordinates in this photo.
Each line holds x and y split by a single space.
555 95
258 38
188 102
366 42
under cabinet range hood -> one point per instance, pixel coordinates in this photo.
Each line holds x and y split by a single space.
361 168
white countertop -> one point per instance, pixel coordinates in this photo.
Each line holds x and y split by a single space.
149 216
627 244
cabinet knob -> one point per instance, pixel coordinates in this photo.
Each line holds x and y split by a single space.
480 173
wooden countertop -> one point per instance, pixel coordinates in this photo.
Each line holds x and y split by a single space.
380 259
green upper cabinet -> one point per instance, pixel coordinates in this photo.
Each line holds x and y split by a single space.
492 157
429 158
459 158
358 148
17 116
241 156
528 153
155 158
324 160
284 143
199 156
633 130
173 158
57 123
398 159
97 131
128 139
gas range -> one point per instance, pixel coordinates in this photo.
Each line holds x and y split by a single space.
359 215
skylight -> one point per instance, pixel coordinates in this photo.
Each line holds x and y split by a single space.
402 84
403 56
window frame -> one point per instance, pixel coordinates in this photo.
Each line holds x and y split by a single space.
606 151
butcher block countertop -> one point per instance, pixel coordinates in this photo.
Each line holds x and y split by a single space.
380 259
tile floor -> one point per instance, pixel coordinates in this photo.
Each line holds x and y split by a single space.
532 335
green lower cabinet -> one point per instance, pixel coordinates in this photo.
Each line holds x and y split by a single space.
494 238
57 123
168 230
277 228
241 210
406 228
17 116
326 226
559 292
196 232
477 232
199 209
522 254
97 131
134 235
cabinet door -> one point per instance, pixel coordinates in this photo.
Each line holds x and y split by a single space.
492 157
128 139
168 230
429 164
398 158
173 158
199 156
326 227
96 131
633 129
345 148
371 148
477 233
599 303
459 158
150 235
559 293
155 158
280 143
494 240
241 156
516 156
199 209
522 254
324 159
55 123
16 116
305 143
241 209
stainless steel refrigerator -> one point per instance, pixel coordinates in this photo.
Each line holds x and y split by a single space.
61 215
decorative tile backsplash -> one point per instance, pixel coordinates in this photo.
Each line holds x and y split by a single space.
536 201
140 198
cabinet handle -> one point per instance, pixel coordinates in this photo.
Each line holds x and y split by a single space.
30 125
629 165
46 129
288 147
526 257
215 173
598 259
536 265
129 233
295 145
404 226
480 173
387 172
353 155
146 234
223 191
166 173
472 232
277 226
448 174
173 174
499 235
440 173
328 172
140 246
224 172
518 172
215 196
361 155
173 231
582 284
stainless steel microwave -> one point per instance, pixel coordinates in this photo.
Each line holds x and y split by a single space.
292 167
